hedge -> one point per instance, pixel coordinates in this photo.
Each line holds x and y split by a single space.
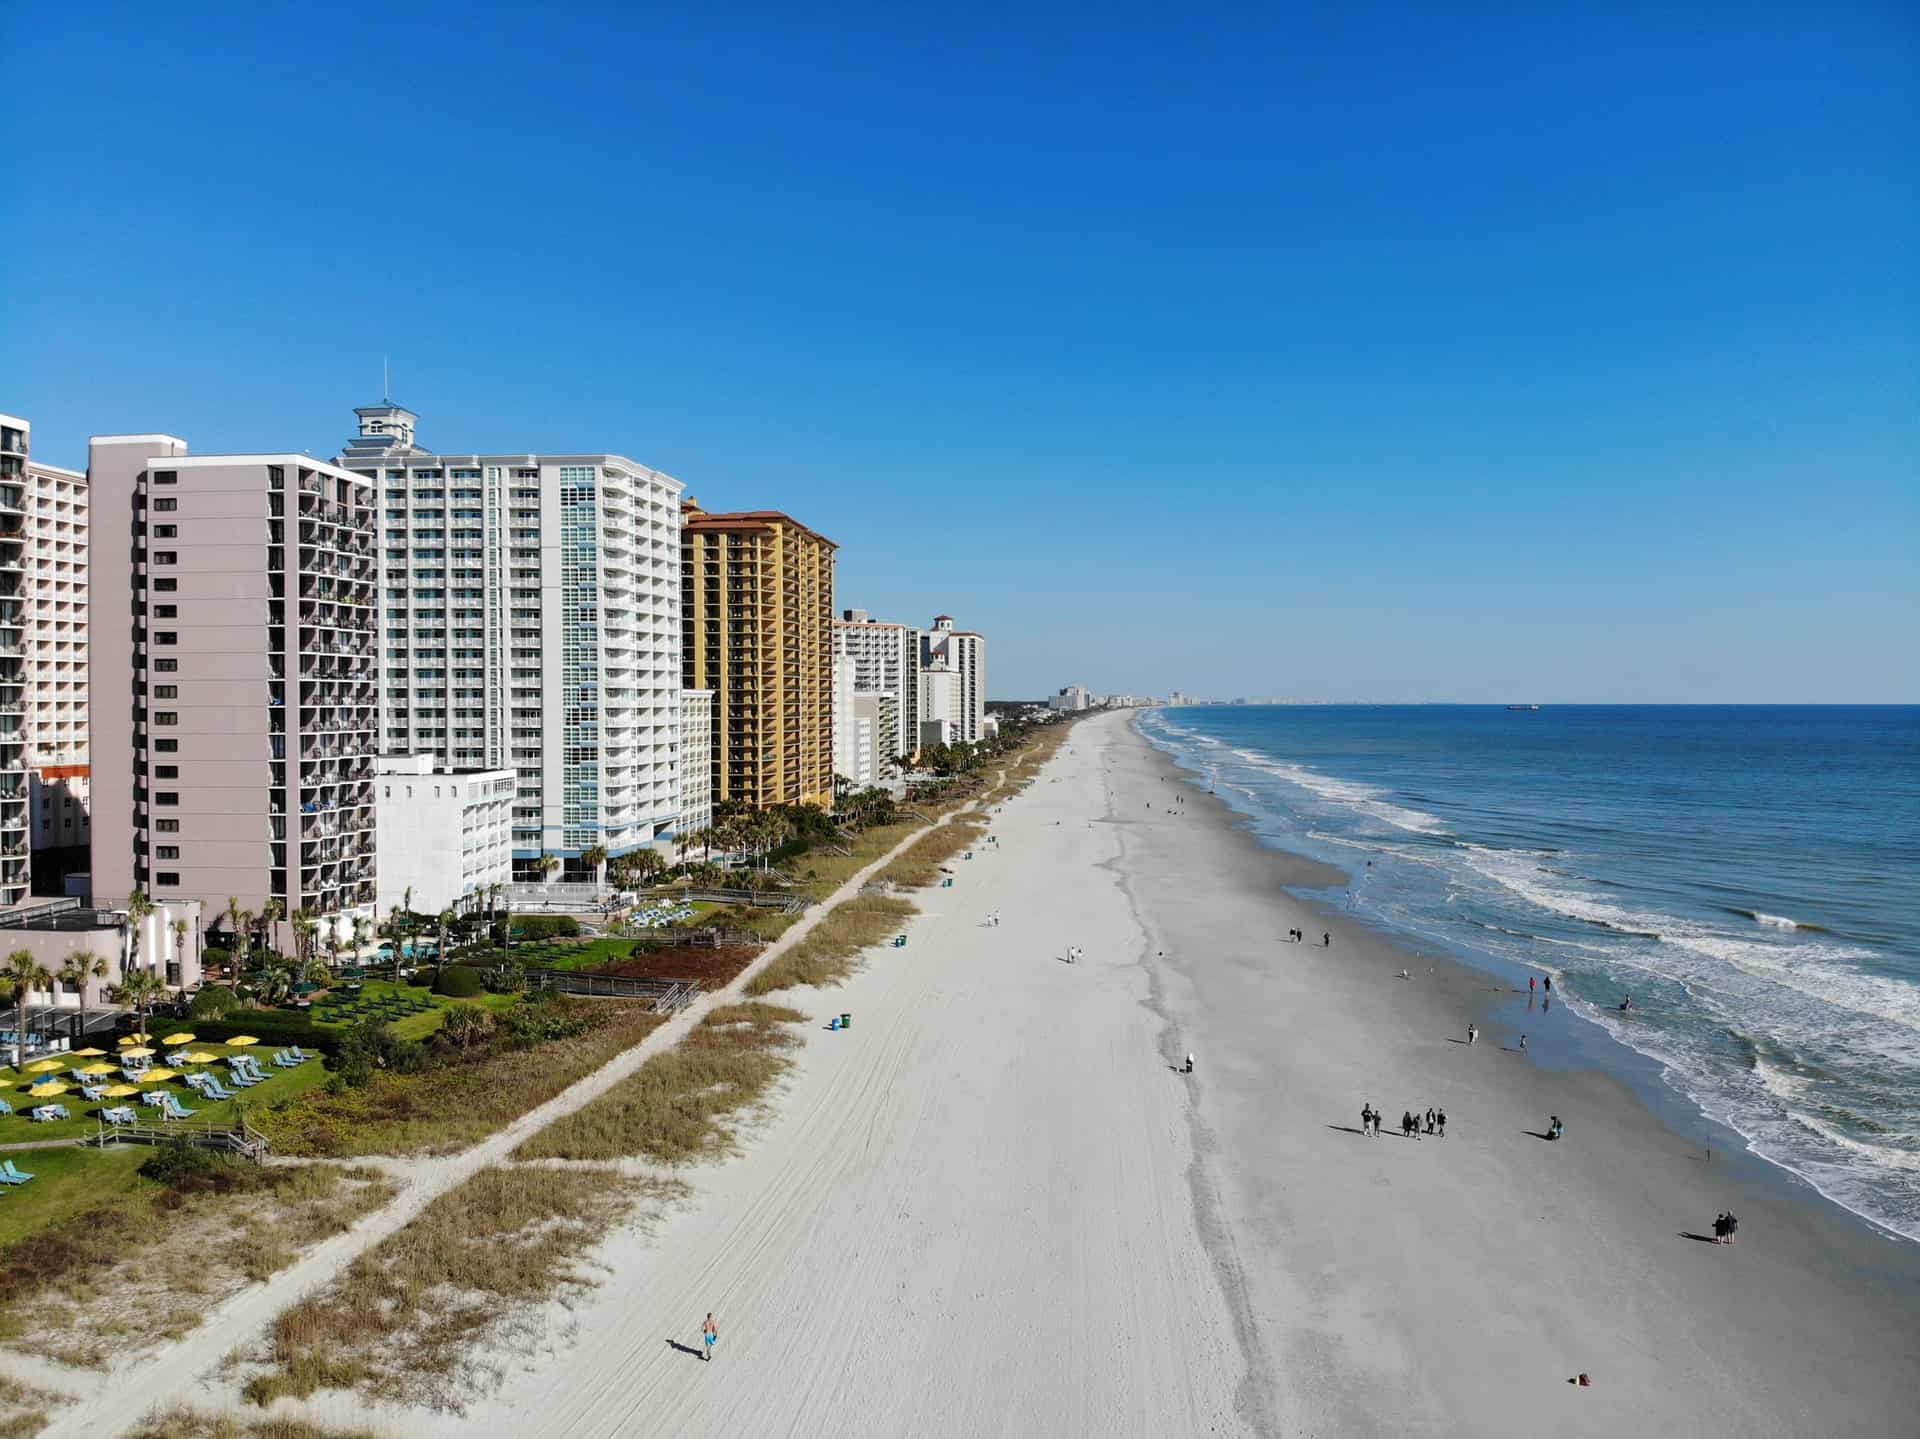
459 981
273 1027
546 926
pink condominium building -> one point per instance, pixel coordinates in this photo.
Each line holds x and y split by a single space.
233 694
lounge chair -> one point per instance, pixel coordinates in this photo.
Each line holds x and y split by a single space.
119 1114
243 1079
177 1060
300 1056
13 1174
5 1108
172 1109
92 1093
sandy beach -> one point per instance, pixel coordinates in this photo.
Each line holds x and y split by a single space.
993 1207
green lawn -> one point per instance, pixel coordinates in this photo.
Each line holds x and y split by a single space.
66 1181
282 1084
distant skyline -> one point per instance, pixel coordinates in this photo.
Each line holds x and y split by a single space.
1386 351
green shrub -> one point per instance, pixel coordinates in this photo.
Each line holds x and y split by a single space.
458 981
212 1001
215 954
371 1047
546 926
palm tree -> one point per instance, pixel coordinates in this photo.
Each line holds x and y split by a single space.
276 983
362 934
594 857
139 907
273 911
233 922
465 1023
180 930
77 969
445 923
142 989
22 975
316 973
245 936
306 927
548 863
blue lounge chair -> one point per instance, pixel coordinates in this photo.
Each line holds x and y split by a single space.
243 1079
12 1174
92 1093
5 1108
172 1109
119 1114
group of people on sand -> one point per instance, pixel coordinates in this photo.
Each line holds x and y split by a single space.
1725 1226
1298 936
1409 1122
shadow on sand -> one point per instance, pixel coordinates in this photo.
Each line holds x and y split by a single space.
685 1349
1703 1238
1539 1134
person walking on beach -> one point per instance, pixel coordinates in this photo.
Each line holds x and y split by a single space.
1548 984
1473 1033
1441 1119
1366 1119
709 1335
1523 1044
1327 940
1429 1119
1189 1068
1530 984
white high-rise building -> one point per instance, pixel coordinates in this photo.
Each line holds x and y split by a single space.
965 654
863 728
530 620
696 762
14 450
886 660
446 836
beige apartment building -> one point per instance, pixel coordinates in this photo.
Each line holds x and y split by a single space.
233 698
56 559
756 612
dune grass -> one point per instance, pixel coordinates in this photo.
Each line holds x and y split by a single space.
24 1410
179 1423
403 1322
681 1106
138 1262
448 1108
919 866
827 953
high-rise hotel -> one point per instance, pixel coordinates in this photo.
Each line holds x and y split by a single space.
530 620
757 612
14 449
233 691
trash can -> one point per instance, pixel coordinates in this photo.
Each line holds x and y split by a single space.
846 1021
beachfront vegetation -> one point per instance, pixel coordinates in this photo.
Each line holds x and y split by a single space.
179 1423
681 1105
826 954
130 1245
24 1410
398 1096
404 1320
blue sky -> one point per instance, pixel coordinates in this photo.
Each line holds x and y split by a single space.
1328 351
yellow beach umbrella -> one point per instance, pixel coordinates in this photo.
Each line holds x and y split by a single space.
100 1069
42 1066
178 1039
243 1039
88 1053
137 1052
201 1056
48 1090
119 1091
155 1076
127 1039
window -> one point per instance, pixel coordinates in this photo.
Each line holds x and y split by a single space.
166 746
166 532
166 877
166 477
167 797
166 717
166 557
167 666
166 851
277 476
166 612
167 826
166 637
166 504
166 584
166 692
166 771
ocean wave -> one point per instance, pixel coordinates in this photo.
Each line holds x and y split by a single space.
1777 921
1366 798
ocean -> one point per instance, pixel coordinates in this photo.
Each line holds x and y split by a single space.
1749 874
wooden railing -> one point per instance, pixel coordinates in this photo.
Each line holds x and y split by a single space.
242 1138
667 995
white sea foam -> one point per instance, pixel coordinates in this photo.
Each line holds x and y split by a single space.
1776 921
1366 798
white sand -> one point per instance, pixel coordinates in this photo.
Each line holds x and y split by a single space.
969 1214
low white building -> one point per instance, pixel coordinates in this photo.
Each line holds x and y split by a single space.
53 931
695 759
445 834
1072 698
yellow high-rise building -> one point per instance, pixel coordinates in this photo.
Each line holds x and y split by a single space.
757 629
